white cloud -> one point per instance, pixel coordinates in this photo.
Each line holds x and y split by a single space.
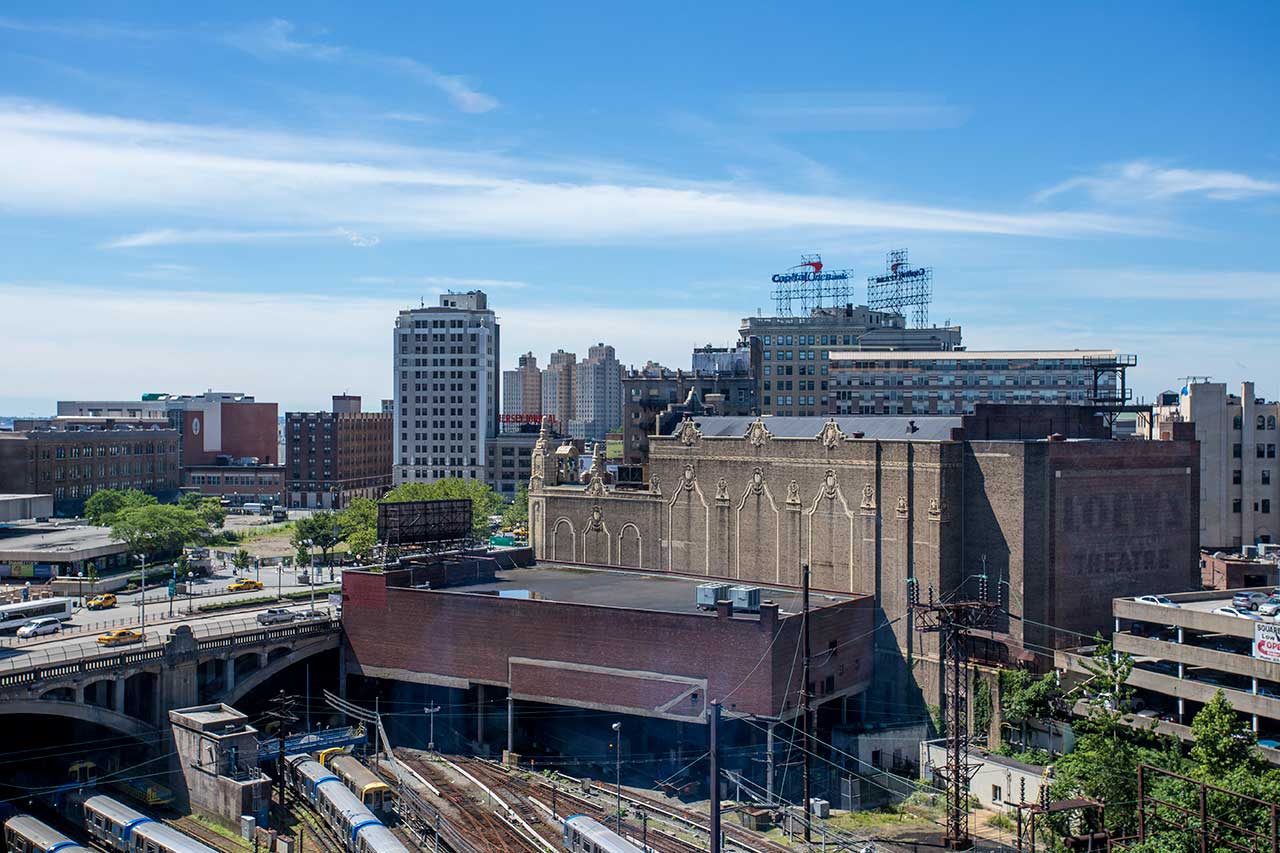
482 283
198 236
218 342
1145 181
826 112
164 271
359 240
80 29
277 38
252 185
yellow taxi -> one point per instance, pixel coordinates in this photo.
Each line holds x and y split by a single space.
101 602
244 585
120 637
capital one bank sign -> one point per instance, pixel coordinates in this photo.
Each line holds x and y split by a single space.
1266 641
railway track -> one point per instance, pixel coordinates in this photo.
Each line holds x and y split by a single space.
192 827
472 816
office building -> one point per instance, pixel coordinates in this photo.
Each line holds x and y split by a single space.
597 394
795 351
71 462
510 460
237 482
336 456
1239 470
953 382
446 380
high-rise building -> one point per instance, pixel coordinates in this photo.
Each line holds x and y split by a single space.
1239 468
557 388
446 381
522 394
597 394
336 456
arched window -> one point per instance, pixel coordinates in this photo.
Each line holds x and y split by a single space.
1262 422
1271 422
1237 422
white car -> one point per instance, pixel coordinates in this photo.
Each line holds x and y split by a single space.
276 616
1270 607
37 627
1238 612
1160 600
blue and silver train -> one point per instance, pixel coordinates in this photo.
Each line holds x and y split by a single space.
343 810
114 825
583 834
25 834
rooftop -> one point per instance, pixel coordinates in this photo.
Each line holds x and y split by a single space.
968 355
914 427
50 541
663 593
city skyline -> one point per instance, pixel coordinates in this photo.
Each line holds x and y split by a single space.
291 183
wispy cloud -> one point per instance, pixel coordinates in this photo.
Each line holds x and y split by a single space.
809 112
1144 181
450 281
81 29
237 185
164 272
278 37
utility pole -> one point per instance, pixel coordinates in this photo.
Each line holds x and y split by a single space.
716 844
142 599
431 711
617 766
282 712
804 697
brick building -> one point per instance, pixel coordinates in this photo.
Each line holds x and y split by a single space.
72 463
650 392
521 393
238 484
338 455
1062 518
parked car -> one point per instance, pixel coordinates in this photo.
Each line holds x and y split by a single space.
308 615
1250 600
1270 607
1231 610
1269 743
275 616
120 637
38 627
244 585
102 601
1157 599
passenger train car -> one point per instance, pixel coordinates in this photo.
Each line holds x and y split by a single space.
362 782
360 829
583 834
115 825
25 834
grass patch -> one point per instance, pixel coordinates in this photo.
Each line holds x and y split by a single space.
239 602
305 594
233 838
874 818
247 534
1002 822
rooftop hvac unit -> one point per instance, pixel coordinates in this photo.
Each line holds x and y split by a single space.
710 593
745 598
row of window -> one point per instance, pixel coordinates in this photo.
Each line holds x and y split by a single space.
73 492
1264 451
1263 422
77 451
76 472
1264 505
1237 477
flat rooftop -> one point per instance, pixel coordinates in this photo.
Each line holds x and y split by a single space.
51 542
634 590
968 355
905 427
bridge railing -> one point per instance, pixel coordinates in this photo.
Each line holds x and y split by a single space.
70 660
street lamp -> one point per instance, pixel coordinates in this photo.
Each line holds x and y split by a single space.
617 772
430 711
142 599
80 577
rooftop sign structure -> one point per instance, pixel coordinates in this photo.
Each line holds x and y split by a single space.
808 285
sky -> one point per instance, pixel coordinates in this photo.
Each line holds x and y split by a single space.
242 196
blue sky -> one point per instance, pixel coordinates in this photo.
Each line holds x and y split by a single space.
242 198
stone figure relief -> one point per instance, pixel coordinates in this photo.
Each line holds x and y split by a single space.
757 481
597 518
868 496
793 493
688 432
829 484
902 506
758 433
831 436
938 509
690 477
722 489
654 485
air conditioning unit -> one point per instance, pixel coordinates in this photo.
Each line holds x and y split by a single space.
820 808
709 593
745 598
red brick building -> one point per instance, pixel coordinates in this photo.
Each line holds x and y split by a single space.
240 430
339 455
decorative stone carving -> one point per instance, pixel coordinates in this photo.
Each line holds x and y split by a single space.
902 506
938 509
595 487
757 481
722 489
831 436
758 433
868 496
535 481
654 486
690 478
688 432
597 518
793 493
829 484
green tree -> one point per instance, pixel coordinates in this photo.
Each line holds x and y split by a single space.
1222 740
516 513
241 560
1025 697
320 529
209 509
484 500
102 506
157 529
1106 691
359 526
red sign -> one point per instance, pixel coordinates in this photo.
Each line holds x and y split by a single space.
521 419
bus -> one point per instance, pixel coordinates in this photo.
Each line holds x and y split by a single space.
14 616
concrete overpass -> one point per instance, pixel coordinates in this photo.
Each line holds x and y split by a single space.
131 689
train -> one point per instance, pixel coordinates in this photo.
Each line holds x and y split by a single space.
584 834
112 824
25 834
360 780
346 814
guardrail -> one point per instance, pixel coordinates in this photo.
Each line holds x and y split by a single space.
81 658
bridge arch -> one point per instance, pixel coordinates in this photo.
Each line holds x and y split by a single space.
276 665
73 711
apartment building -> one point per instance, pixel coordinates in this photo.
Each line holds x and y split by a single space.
557 388
597 394
446 378
522 394
336 456
1239 470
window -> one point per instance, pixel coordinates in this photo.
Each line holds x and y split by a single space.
1236 505
1266 505
997 796
1235 451
1262 451
1271 422
1266 476
1237 422
1271 451
1261 422
1236 478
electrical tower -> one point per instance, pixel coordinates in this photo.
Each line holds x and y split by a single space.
808 286
952 621
902 287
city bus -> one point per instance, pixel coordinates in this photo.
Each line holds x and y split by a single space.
14 616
